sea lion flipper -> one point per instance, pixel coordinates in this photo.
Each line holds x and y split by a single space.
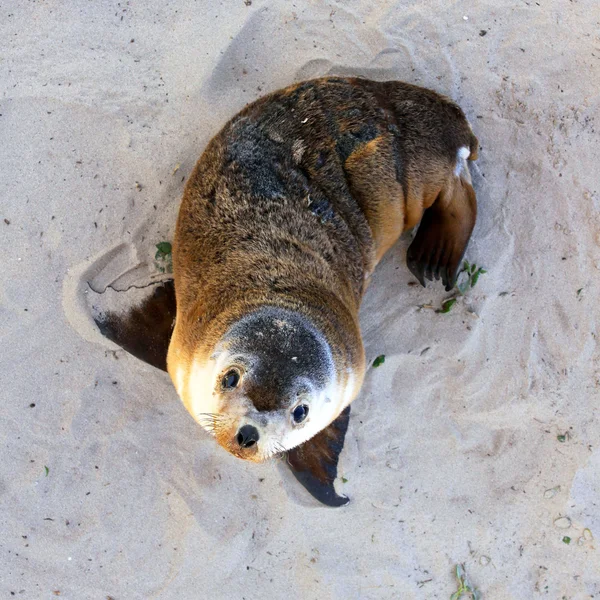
439 246
144 330
314 463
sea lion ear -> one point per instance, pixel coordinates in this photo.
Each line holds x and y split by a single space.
144 330
314 463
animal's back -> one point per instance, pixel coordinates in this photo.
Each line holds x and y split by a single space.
305 189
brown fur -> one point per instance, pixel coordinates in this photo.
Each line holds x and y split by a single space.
300 195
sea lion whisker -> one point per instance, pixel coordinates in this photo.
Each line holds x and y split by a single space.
275 449
215 416
270 449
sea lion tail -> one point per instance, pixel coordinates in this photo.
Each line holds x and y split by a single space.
473 147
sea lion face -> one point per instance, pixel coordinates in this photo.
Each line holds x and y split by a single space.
270 384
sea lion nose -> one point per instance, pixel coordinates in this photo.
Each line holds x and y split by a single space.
247 436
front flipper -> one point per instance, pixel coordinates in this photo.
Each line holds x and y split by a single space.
314 463
443 235
144 330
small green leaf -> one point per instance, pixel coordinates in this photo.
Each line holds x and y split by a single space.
47 470
473 268
164 247
567 539
163 251
344 480
447 306
379 360
163 257
466 266
561 438
579 291
475 276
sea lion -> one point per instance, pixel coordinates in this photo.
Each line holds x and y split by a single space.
283 219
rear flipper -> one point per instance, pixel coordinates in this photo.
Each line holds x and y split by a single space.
444 232
314 463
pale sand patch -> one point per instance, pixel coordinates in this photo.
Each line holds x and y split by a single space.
450 452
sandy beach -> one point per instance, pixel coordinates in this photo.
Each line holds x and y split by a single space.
477 442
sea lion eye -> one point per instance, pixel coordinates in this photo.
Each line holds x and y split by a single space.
300 413
230 379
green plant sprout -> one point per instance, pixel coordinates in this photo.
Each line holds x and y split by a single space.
466 279
447 306
470 277
163 257
379 361
464 586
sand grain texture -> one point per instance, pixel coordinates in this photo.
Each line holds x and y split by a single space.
104 109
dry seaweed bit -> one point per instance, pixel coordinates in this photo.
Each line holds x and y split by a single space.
566 540
423 306
586 537
562 522
46 470
447 306
379 360
548 494
163 257
563 437
465 589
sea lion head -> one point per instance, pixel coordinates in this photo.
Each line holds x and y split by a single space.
269 384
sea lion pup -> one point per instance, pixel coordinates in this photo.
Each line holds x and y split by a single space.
283 219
